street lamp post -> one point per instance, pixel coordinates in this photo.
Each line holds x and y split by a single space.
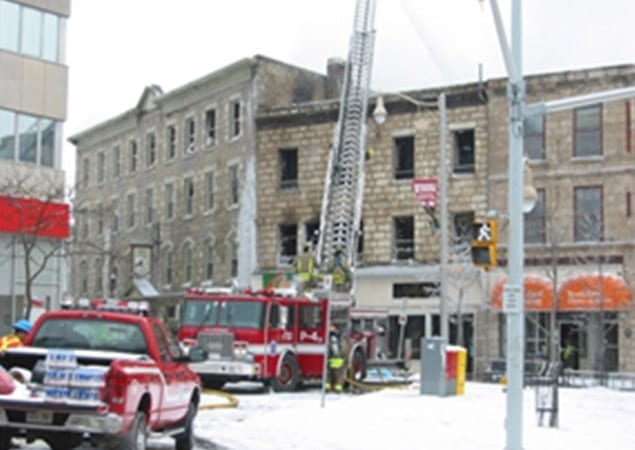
379 115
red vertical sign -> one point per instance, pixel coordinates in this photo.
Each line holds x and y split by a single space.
426 191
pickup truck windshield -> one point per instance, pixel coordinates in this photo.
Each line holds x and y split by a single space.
91 335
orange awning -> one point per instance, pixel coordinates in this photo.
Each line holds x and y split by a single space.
538 293
594 292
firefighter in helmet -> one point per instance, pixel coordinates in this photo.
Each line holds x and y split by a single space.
336 362
304 266
340 271
16 339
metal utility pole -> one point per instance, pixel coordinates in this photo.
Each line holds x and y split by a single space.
513 304
443 194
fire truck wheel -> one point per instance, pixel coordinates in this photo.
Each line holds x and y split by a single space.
185 441
137 437
358 366
288 377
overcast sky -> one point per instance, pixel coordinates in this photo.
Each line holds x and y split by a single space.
117 47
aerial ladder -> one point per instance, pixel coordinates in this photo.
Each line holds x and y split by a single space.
344 181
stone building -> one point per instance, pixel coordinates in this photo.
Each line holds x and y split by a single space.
33 107
167 190
581 226
579 238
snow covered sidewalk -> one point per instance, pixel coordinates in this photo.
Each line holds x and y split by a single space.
589 419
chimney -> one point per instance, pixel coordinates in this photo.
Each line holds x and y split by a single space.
335 70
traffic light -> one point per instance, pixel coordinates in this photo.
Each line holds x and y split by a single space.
484 238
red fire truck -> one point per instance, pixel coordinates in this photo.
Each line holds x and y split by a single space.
272 336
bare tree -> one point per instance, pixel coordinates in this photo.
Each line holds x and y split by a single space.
40 223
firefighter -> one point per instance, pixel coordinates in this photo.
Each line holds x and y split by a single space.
336 363
305 267
16 339
340 271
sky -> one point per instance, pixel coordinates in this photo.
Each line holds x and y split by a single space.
590 418
115 48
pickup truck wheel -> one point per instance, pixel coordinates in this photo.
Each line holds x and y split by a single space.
288 377
212 383
136 438
64 442
5 438
185 441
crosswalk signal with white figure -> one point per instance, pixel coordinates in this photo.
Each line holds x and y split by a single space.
484 238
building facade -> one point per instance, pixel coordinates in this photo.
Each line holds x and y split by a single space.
579 237
33 102
167 191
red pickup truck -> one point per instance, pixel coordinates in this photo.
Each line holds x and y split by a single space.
110 377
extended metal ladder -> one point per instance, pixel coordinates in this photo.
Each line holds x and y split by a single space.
344 182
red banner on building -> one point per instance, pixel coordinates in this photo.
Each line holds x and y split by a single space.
34 217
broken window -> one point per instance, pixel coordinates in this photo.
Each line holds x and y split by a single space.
288 233
463 222
403 237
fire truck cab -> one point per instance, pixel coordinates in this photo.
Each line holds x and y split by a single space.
273 336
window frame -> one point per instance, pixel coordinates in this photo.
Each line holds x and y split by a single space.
403 246
531 137
288 168
580 132
287 243
460 166
404 157
578 232
537 217
210 127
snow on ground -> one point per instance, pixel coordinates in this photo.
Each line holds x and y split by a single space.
590 418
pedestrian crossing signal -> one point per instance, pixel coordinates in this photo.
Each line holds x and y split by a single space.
484 238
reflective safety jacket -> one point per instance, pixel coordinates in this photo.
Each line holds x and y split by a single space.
10 341
304 267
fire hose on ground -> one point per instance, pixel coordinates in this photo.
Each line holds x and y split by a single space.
231 401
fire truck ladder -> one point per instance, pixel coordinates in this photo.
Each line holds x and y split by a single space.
344 183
